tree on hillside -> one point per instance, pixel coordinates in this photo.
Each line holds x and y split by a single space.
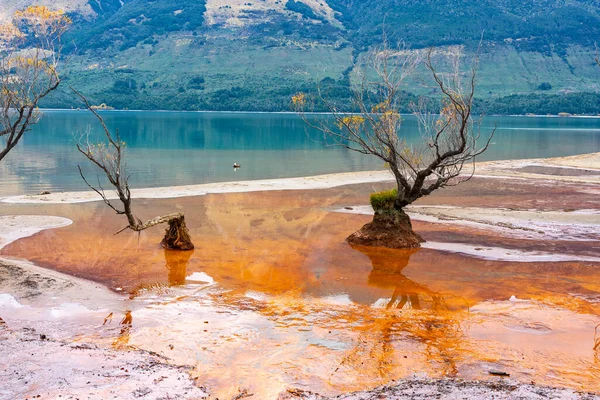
108 156
449 139
30 53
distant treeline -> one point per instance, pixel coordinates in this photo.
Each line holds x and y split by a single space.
586 103
126 95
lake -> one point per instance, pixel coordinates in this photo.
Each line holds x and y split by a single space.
180 148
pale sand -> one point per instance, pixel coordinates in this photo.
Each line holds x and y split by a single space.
303 183
44 362
529 224
496 169
13 227
582 225
38 287
30 282
65 364
584 161
501 254
451 389
508 168
48 319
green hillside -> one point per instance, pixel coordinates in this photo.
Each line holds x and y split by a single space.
236 55
530 25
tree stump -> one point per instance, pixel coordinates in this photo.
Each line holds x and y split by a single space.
390 228
177 236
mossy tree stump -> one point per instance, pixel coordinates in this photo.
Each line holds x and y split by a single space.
391 226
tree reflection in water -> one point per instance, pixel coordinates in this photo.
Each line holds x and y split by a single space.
177 262
414 316
387 273
122 341
597 344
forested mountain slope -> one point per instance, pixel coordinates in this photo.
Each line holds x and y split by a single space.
253 54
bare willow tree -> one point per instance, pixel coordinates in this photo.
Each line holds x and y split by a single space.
108 156
30 53
444 156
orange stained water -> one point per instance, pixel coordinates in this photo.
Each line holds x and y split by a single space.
295 306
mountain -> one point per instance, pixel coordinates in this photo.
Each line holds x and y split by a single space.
536 55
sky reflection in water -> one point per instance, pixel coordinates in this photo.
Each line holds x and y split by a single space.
178 148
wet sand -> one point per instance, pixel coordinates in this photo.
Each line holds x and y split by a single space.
45 319
14 227
274 298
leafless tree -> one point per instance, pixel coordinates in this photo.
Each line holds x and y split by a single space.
109 158
450 138
30 53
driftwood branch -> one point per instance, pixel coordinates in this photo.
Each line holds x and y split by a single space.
160 220
109 158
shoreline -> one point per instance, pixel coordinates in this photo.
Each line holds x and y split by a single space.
581 225
14 227
49 328
32 327
315 182
33 284
419 387
311 113
507 169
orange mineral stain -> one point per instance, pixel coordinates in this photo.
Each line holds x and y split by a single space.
294 306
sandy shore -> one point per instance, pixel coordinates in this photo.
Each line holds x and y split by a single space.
589 163
50 352
450 389
45 317
32 285
529 224
13 227
40 361
581 225
582 161
303 183
50 320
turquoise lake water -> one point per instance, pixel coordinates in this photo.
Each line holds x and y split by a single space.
179 148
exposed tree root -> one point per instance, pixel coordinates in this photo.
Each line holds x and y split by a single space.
177 236
389 228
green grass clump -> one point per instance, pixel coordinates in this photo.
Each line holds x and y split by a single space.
384 200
